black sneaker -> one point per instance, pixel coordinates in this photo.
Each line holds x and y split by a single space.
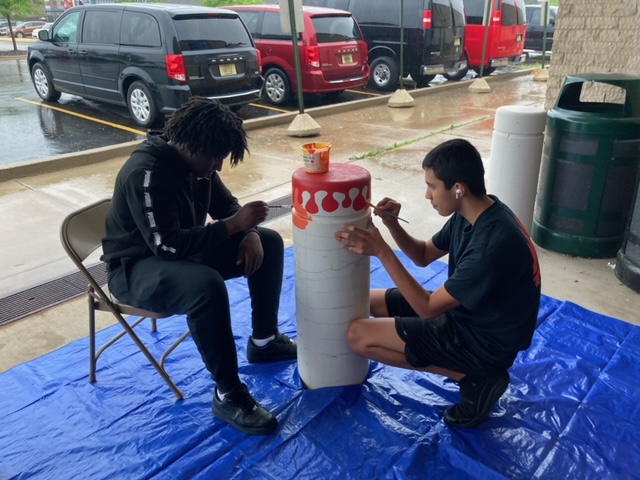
478 395
240 410
280 348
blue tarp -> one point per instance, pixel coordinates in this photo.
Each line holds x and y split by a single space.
572 410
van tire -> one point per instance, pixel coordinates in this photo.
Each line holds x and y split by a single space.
423 80
277 88
385 74
485 71
43 83
141 105
460 74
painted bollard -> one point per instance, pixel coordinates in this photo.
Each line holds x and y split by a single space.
332 284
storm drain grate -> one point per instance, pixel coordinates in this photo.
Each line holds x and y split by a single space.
35 299
30 301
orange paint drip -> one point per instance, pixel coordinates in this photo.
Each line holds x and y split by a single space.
300 216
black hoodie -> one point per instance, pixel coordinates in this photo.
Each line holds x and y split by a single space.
159 208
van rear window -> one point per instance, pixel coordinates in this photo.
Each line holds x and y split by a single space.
387 12
335 28
475 11
207 33
441 13
513 12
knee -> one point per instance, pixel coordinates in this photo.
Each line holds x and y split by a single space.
356 336
271 241
207 288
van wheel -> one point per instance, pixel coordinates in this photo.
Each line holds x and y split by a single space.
43 83
19 35
277 88
423 80
457 75
141 105
384 74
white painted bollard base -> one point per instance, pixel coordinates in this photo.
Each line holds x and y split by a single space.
325 306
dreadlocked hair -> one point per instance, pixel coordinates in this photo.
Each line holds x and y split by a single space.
206 127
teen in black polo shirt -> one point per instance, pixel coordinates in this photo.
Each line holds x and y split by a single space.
472 327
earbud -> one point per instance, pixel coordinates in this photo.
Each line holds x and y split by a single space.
458 194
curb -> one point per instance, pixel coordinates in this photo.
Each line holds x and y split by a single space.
96 155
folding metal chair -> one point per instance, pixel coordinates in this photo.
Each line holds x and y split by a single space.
81 234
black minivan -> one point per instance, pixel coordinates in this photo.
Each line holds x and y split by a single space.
150 57
433 37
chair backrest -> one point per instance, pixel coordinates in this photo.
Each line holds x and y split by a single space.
82 231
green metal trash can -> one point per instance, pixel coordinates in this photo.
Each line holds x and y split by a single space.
588 171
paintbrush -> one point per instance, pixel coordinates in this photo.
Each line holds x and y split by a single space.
280 206
388 213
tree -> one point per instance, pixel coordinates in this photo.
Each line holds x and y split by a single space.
13 9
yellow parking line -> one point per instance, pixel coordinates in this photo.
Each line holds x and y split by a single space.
267 107
92 119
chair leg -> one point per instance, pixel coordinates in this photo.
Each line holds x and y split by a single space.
173 347
92 339
118 337
154 325
150 357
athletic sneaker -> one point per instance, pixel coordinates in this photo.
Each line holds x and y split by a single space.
478 395
240 410
280 348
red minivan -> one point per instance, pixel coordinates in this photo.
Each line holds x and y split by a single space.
505 43
333 55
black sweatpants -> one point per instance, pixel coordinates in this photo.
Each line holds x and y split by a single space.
197 289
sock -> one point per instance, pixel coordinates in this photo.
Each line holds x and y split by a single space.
262 341
220 395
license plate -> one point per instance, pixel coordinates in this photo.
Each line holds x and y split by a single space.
519 37
347 58
457 41
228 69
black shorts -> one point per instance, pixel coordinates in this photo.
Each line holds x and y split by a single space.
433 342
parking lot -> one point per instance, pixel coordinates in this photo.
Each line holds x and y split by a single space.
38 129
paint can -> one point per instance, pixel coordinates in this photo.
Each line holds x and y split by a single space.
332 284
316 157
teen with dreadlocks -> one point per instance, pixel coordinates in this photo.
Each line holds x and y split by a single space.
162 256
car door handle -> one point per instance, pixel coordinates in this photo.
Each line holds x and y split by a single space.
83 52
71 51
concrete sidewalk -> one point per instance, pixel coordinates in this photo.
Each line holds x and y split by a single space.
388 142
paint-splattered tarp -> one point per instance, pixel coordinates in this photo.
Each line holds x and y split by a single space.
572 410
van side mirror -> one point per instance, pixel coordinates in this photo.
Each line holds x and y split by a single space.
552 21
43 35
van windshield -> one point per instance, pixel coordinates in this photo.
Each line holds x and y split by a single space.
335 28
202 32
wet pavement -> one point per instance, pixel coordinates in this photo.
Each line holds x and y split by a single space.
390 143
33 129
